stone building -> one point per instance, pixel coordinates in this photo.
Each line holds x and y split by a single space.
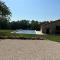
51 27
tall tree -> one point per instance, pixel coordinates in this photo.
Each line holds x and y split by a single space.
4 24
4 10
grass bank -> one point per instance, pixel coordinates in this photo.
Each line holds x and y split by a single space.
53 38
6 34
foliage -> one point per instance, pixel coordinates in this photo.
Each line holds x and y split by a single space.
25 24
4 24
35 25
4 10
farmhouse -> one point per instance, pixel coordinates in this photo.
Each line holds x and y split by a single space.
51 27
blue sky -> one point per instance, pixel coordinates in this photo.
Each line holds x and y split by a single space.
40 10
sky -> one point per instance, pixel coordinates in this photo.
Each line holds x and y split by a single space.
40 10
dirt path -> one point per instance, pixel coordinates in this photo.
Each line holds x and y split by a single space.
29 50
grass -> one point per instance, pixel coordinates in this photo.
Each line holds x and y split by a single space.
7 34
53 38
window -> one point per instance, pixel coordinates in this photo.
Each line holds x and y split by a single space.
57 27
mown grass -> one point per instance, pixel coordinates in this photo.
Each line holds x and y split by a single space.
53 37
7 34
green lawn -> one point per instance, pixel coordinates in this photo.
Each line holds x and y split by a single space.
8 34
53 37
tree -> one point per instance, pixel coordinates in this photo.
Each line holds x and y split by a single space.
35 25
4 15
4 10
23 24
4 24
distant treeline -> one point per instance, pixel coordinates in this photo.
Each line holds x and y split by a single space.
21 24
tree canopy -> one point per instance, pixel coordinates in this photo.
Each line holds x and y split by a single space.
4 10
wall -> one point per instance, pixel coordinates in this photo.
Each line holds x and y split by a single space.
51 27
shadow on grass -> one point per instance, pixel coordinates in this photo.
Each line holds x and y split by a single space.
21 38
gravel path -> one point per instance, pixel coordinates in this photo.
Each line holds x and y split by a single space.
29 50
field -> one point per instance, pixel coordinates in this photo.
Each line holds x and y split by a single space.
53 38
6 34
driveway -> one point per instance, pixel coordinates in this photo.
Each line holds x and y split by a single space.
29 50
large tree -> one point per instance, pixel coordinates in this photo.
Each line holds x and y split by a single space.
4 10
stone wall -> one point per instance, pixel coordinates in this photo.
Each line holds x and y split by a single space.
50 28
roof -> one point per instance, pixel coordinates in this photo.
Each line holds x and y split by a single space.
51 22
